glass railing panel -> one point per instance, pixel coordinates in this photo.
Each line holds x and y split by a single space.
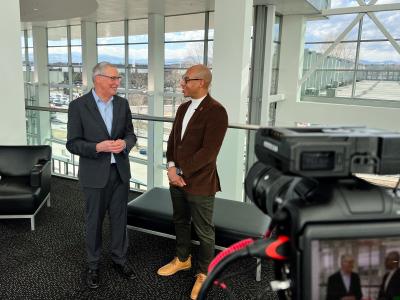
141 130
38 127
139 176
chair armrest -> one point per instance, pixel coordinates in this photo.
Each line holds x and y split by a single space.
37 172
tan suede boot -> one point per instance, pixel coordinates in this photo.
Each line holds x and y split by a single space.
197 285
175 266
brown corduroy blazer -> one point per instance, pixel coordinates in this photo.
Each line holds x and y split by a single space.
196 153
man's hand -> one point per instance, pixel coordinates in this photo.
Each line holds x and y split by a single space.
119 145
175 179
111 146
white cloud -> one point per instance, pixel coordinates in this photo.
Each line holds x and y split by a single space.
343 3
324 30
183 51
184 35
137 54
380 55
387 1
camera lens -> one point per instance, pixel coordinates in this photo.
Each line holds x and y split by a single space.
264 185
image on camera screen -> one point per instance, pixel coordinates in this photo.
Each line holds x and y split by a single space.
353 269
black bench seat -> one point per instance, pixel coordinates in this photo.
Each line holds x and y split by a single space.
151 212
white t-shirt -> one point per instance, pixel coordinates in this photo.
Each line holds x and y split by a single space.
189 113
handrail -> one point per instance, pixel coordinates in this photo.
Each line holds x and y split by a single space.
142 117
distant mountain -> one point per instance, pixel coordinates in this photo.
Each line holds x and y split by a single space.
385 62
77 57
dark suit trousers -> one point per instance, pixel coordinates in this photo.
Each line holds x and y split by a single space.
112 198
198 210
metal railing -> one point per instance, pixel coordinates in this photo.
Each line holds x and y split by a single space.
68 165
142 117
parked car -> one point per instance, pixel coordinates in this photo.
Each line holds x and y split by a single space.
143 151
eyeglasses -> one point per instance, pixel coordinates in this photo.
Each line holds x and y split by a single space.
113 78
187 79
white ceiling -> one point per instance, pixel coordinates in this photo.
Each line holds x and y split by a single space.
290 7
63 12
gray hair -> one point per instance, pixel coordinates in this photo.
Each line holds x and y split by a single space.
345 257
99 68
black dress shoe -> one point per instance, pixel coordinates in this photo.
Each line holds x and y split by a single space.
92 279
125 271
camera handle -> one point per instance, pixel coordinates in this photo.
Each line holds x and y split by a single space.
277 248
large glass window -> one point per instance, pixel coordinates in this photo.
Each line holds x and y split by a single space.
275 58
363 65
30 90
65 64
28 65
138 64
65 84
125 44
188 41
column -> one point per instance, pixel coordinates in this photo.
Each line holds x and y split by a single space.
290 68
155 99
89 53
231 62
12 112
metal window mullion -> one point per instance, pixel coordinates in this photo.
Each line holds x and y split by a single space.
205 47
256 77
126 45
69 61
27 62
384 31
353 88
331 47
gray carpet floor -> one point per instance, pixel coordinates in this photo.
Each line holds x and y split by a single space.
49 263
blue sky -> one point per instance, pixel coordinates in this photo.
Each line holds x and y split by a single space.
372 51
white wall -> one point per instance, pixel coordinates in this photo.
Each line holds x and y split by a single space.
12 112
232 40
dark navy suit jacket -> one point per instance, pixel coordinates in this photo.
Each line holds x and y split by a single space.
337 290
86 128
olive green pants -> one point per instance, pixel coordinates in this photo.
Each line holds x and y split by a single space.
199 211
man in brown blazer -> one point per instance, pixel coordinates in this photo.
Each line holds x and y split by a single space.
193 145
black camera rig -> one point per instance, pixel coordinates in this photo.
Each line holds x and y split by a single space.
304 181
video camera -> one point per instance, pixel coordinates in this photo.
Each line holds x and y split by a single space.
305 181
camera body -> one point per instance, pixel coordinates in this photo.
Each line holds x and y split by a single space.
329 151
308 174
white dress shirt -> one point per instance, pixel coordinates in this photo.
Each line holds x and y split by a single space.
346 280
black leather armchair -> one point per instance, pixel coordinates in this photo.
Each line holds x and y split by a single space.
25 181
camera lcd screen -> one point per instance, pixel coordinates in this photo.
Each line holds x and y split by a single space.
317 160
362 262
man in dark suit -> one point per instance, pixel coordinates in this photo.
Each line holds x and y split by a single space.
100 131
344 284
390 287
193 145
